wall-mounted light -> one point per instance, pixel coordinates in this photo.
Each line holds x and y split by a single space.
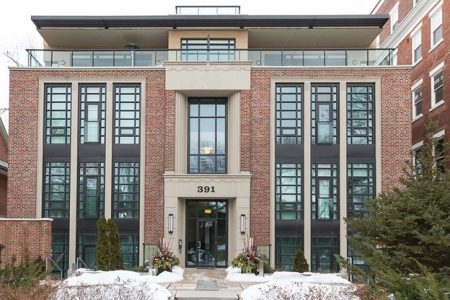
243 223
170 223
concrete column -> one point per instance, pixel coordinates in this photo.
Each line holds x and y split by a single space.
307 170
234 125
181 127
108 148
342 168
73 177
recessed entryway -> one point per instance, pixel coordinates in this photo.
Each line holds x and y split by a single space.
206 233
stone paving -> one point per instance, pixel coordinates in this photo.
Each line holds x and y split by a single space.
205 284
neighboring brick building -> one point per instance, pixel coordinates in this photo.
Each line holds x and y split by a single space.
421 38
208 139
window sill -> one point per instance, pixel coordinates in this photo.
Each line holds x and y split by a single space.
417 118
418 61
435 45
437 105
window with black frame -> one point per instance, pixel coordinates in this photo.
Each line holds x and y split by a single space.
361 186
127 113
360 113
208 49
92 113
126 190
286 248
207 136
87 250
58 98
323 252
60 252
438 88
324 113
289 98
91 200
56 190
129 246
288 192
324 191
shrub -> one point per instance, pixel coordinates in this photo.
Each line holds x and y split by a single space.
300 263
164 258
108 254
25 274
248 261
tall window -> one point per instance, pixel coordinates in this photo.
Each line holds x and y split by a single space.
207 136
288 192
60 251
127 113
436 27
91 200
129 246
324 113
323 253
417 46
289 98
361 186
126 190
324 191
417 99
437 82
56 190
58 99
393 15
360 113
92 114
207 49
286 247
439 154
87 244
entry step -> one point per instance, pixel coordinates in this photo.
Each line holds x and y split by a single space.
206 295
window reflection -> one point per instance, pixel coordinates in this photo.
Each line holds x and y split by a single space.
207 136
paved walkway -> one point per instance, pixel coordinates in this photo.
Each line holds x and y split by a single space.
205 284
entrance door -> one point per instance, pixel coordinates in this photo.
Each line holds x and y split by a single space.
206 234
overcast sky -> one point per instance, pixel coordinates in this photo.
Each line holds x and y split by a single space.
17 32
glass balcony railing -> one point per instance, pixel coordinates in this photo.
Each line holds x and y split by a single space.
261 58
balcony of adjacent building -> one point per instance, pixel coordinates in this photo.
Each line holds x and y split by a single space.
127 58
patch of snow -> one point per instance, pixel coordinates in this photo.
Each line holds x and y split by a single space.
117 285
282 289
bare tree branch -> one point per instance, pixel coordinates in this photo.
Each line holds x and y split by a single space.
12 57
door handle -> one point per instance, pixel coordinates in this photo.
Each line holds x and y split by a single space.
199 244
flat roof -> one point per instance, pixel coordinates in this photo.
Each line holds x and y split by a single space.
240 21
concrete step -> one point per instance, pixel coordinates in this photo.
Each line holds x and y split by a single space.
206 295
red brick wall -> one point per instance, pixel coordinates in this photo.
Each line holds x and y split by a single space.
3 150
3 194
159 148
255 128
25 237
404 6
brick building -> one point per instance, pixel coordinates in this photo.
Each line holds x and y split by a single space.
3 168
210 138
419 30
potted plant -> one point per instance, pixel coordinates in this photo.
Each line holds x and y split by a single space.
248 261
164 258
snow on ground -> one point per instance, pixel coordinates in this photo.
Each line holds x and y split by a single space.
117 285
293 285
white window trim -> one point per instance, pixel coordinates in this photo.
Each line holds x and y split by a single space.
417 30
430 16
432 73
417 145
415 86
395 57
394 9
439 135
414 2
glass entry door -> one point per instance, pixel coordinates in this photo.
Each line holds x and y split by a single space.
206 234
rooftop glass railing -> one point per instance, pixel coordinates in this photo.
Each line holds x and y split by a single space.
258 57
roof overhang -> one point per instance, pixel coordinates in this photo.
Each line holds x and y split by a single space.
151 32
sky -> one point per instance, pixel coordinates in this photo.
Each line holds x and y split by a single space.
18 33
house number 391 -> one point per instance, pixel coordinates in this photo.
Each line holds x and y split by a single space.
205 189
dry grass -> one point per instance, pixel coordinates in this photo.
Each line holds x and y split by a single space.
37 292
